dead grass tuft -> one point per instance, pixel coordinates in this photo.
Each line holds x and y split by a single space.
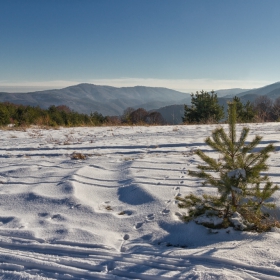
78 156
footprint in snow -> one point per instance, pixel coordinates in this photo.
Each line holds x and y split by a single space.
126 237
176 191
138 225
180 215
150 217
125 212
57 217
45 214
165 211
72 206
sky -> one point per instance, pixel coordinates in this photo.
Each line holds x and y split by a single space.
186 45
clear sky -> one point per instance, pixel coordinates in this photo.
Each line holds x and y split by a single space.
186 45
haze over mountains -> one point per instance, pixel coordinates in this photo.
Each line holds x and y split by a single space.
112 101
107 100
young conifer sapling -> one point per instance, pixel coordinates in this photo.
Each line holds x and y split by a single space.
243 193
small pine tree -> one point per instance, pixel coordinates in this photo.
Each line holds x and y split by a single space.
242 190
205 108
245 112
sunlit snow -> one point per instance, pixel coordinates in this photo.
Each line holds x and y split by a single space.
113 215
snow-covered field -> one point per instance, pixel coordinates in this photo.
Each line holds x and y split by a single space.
113 214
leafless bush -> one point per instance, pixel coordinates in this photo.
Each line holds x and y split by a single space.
76 155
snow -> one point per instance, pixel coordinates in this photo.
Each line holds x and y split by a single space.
209 219
113 214
238 221
237 173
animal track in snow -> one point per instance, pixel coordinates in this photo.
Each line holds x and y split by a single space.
165 211
126 237
150 217
176 191
72 206
45 214
138 225
180 215
57 217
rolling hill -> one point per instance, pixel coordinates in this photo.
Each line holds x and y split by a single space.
112 101
107 100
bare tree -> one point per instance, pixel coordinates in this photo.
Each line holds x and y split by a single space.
276 109
154 118
138 116
126 115
263 107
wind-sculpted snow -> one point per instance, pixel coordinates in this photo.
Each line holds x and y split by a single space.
112 214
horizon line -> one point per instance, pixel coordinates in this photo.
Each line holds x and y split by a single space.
182 85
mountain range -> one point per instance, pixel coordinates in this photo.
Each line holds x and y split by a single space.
107 100
173 114
112 101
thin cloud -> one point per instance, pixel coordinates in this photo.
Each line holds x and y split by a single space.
184 85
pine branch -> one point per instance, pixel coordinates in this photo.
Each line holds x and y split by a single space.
216 144
210 161
248 148
242 139
260 157
226 139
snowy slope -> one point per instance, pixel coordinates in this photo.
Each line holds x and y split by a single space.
113 214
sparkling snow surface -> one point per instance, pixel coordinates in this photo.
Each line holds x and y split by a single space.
113 215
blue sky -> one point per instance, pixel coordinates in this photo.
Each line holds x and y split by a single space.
185 45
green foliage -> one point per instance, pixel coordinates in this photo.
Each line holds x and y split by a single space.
4 115
204 109
241 189
54 116
245 112
97 118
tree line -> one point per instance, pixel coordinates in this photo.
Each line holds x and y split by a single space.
141 116
205 108
20 115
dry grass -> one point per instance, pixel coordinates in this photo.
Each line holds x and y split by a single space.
78 156
261 223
